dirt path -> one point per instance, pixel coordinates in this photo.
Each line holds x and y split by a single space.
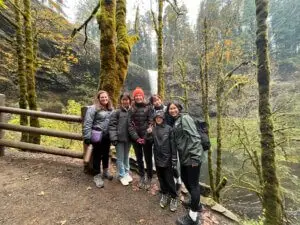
45 189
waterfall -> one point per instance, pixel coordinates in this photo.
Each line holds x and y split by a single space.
153 81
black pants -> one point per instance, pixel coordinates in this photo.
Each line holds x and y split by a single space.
101 153
166 181
140 151
190 177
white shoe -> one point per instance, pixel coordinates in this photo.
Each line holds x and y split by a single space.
98 181
129 178
124 181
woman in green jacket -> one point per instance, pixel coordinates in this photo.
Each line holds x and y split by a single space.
186 141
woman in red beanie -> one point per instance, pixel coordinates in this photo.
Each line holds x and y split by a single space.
139 120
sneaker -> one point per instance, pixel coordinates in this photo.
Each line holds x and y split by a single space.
124 181
148 184
98 181
141 182
107 175
129 178
187 220
173 204
163 201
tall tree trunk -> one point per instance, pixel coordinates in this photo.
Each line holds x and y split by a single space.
205 105
271 193
220 87
160 72
21 70
107 22
32 102
124 47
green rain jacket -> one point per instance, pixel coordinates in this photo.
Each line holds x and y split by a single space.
186 140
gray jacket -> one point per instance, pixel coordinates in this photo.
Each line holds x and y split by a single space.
94 119
118 125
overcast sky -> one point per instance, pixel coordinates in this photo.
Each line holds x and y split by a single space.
192 6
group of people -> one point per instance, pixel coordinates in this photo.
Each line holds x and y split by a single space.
150 127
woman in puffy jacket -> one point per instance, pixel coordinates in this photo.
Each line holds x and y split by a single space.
119 136
97 118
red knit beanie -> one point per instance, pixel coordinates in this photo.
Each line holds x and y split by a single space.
138 91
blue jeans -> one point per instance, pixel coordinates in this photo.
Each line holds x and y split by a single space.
123 158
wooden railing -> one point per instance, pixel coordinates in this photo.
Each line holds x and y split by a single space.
41 131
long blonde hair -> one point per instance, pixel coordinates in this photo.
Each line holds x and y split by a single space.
109 105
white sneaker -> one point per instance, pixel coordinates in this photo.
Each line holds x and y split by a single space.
129 178
98 181
124 181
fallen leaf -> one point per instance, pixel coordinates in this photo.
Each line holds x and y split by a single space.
141 221
41 193
63 222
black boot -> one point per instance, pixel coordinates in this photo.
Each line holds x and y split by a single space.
187 220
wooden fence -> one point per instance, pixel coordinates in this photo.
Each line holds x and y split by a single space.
41 131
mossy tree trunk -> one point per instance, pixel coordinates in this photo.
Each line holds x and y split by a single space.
21 69
124 47
271 194
219 92
107 23
204 87
160 69
30 76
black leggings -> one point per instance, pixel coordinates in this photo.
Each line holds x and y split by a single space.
140 151
166 181
101 153
190 177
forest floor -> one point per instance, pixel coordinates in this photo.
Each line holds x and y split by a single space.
46 189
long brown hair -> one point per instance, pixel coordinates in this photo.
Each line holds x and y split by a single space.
109 105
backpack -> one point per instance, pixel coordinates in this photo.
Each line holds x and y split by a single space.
202 128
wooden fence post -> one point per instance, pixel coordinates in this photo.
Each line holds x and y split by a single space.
88 166
2 103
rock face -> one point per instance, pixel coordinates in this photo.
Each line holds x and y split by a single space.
58 77
137 77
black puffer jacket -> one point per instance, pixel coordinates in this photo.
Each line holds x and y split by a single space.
138 120
118 125
163 154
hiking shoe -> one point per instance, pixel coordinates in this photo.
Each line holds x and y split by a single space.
98 181
141 182
187 220
163 201
148 184
173 204
128 178
124 181
107 175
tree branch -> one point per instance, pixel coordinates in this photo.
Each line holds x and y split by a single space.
236 68
17 8
87 20
175 7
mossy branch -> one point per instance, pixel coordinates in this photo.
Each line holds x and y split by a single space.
17 8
